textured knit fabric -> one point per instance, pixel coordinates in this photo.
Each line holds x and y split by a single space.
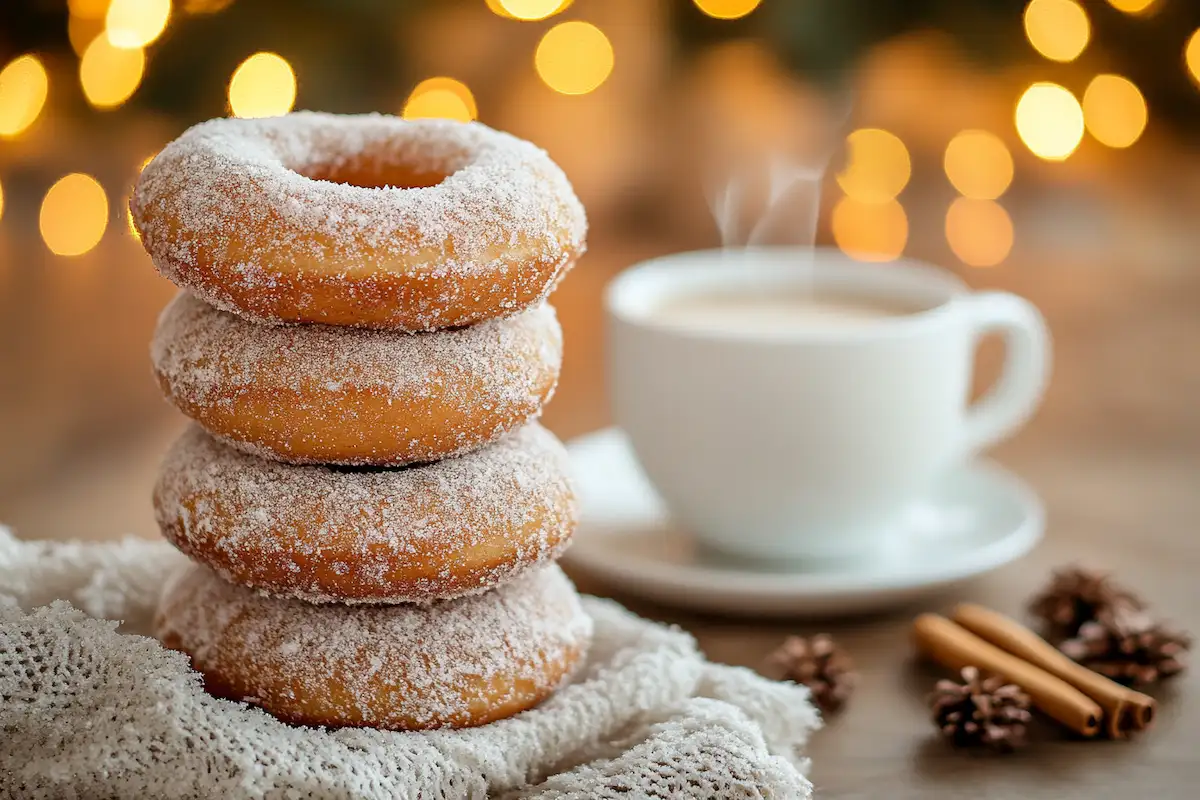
93 708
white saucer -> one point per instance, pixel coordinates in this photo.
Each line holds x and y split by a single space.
978 519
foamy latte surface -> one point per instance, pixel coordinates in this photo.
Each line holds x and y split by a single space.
763 313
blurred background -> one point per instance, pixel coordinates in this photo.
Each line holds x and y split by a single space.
1040 146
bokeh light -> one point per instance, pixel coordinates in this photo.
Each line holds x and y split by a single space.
495 7
88 9
81 31
574 58
877 166
23 89
1058 29
528 9
1050 121
870 231
978 165
980 232
727 9
1192 56
442 98
263 85
110 75
74 215
1114 110
136 23
1132 6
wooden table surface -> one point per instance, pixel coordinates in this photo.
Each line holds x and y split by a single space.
1114 453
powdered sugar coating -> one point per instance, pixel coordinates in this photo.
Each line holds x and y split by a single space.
447 529
322 394
358 220
456 663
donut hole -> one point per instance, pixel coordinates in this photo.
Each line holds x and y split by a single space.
373 174
381 158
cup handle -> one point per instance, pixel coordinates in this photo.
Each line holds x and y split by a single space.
1016 394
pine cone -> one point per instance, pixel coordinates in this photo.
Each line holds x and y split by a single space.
981 712
1129 650
1077 595
817 663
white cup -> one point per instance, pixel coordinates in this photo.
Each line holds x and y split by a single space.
811 443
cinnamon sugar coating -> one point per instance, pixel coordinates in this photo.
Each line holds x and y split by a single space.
451 528
319 394
369 220
456 663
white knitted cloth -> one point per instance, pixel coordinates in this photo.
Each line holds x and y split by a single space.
90 709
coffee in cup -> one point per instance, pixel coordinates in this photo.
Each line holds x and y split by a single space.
745 312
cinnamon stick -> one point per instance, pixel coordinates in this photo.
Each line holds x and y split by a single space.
1125 709
955 647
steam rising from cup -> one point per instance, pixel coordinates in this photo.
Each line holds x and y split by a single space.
779 202
788 215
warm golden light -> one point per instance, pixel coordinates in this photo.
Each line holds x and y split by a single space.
1050 121
978 165
528 9
128 213
74 215
131 24
441 98
110 75
81 31
88 9
877 166
1058 29
1131 6
870 231
574 58
263 85
727 9
23 88
1192 56
980 232
1 201
1114 110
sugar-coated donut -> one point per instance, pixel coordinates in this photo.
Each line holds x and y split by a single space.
456 663
438 530
371 221
314 394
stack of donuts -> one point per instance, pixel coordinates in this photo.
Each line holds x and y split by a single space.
371 511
